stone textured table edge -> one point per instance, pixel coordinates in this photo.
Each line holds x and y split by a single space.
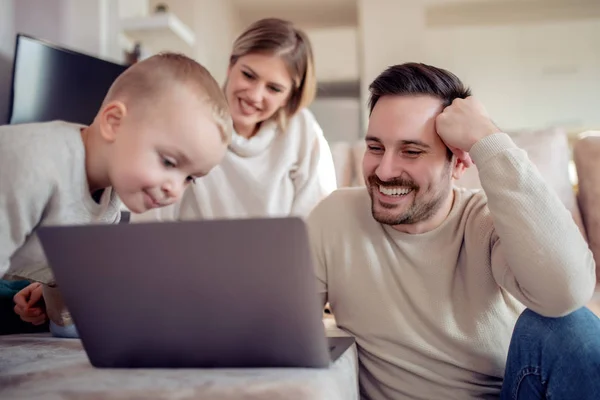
37 366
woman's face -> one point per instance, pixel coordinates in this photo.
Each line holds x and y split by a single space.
257 86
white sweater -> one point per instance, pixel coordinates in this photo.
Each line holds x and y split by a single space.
433 313
43 182
272 174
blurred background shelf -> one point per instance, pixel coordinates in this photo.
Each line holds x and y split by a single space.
161 30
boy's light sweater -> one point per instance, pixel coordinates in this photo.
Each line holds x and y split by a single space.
43 181
433 313
272 174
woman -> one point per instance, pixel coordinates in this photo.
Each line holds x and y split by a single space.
278 163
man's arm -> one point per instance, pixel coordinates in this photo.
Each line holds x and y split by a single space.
538 252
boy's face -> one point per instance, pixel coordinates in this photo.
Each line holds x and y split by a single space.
157 148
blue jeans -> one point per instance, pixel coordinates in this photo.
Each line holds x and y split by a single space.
554 358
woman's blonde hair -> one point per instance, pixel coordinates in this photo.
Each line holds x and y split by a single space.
279 37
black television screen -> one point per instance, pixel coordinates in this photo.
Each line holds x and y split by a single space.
53 83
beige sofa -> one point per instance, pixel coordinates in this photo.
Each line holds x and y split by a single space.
586 154
549 150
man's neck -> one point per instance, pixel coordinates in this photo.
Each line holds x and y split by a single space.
431 223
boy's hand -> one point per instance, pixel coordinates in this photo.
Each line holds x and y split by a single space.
464 123
29 304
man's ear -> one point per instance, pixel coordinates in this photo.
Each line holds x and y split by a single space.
111 117
458 167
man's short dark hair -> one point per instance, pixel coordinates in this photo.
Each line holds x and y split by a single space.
417 79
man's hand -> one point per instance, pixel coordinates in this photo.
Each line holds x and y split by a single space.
29 304
464 123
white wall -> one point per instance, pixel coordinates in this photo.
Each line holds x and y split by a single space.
215 24
335 50
336 53
76 24
7 16
82 25
528 74
388 34
40 19
135 8
43 19
305 13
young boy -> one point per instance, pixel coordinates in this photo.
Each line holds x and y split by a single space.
163 123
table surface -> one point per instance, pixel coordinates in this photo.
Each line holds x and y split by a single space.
37 366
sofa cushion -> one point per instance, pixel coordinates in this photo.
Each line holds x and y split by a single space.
358 151
549 151
343 163
586 154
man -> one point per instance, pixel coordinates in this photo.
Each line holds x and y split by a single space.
431 279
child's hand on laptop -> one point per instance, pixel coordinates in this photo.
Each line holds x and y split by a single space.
29 304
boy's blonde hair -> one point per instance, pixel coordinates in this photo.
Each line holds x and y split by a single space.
154 75
279 37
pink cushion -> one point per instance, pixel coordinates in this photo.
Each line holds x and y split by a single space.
358 151
343 162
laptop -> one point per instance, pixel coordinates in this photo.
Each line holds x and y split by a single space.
196 294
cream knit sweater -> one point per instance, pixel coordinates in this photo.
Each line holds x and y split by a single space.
433 313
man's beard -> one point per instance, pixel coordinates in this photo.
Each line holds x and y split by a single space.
420 209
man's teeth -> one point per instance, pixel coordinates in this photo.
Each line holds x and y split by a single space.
394 191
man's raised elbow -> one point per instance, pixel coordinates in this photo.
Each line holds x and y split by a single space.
571 299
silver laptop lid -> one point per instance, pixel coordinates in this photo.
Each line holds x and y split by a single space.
218 293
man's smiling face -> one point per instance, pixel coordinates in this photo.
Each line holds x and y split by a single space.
407 167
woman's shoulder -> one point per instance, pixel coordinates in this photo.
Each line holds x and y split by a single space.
305 122
305 114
